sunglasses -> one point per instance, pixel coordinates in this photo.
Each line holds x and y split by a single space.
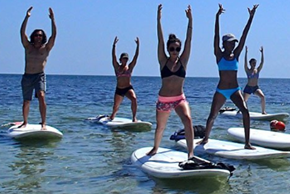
36 35
177 49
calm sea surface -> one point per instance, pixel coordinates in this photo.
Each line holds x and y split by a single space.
91 158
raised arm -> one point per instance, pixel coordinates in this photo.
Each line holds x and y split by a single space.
114 58
24 38
51 39
262 59
134 61
187 46
242 41
246 60
217 49
161 49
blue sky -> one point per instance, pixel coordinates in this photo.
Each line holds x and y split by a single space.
86 30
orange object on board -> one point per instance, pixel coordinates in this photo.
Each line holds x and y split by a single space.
277 125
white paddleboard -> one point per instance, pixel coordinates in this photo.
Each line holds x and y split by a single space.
164 164
233 150
119 122
263 138
33 131
257 116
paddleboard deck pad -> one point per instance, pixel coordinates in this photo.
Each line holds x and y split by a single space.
168 163
233 150
270 139
33 131
254 115
119 122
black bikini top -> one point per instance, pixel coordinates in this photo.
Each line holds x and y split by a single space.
165 72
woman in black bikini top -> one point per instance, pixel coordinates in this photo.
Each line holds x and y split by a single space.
173 71
166 72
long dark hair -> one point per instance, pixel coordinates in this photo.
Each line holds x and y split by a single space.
44 38
172 39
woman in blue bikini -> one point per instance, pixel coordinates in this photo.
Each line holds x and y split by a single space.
123 73
253 78
228 87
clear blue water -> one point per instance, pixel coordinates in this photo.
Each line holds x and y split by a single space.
94 159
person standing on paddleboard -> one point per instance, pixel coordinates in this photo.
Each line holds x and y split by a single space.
228 87
253 78
123 73
34 78
173 71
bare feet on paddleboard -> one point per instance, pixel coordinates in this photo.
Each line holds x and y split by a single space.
43 126
202 142
249 147
23 125
152 152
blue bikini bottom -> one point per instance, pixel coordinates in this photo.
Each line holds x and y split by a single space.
228 92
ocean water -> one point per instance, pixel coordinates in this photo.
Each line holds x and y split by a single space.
91 158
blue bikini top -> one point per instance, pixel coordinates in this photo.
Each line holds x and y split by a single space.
253 75
225 65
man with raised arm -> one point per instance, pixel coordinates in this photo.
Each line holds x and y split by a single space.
36 53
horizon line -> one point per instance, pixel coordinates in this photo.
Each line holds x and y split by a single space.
135 76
